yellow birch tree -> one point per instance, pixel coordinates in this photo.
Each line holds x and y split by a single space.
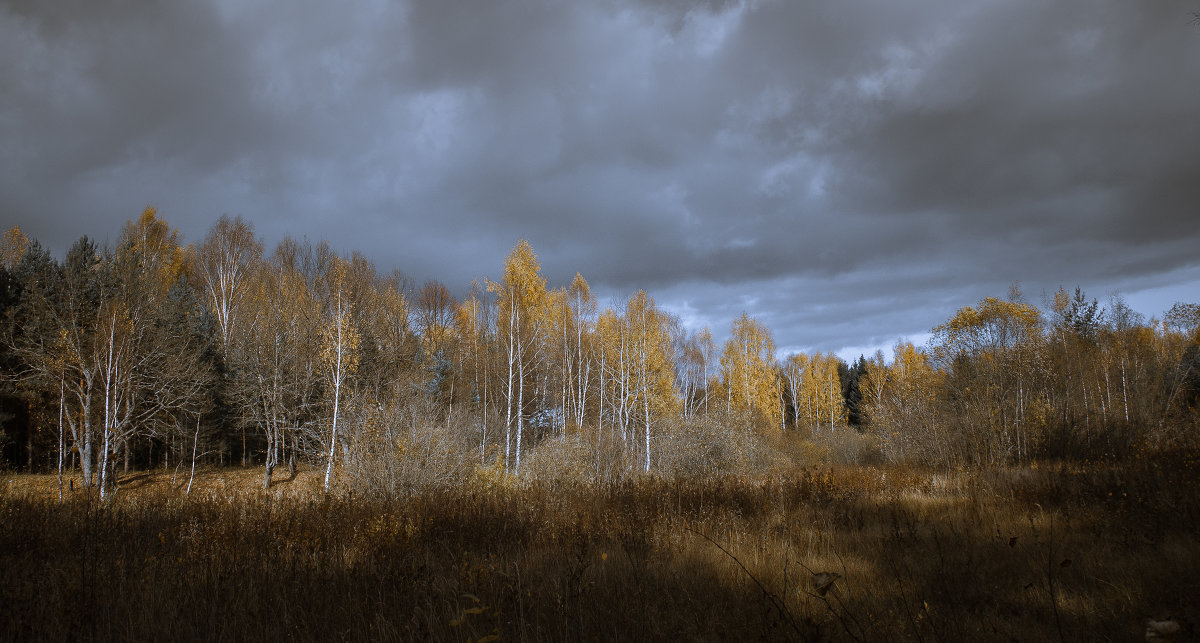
748 372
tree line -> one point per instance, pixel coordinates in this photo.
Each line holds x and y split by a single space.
156 353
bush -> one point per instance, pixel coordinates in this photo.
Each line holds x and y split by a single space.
845 445
576 457
713 446
405 449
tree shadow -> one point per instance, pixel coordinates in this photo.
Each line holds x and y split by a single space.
136 480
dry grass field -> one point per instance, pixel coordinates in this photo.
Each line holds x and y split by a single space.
1048 553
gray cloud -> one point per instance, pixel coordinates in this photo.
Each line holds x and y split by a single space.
847 171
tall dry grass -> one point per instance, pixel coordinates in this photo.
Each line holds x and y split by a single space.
1055 553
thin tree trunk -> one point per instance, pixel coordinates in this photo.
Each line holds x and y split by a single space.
1124 391
646 407
272 457
565 374
29 448
600 415
520 408
61 400
107 417
1087 422
337 391
104 467
482 392
1107 388
195 446
512 351
646 385
832 406
581 395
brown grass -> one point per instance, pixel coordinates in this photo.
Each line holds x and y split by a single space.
1055 553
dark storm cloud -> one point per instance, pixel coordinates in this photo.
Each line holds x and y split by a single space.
847 171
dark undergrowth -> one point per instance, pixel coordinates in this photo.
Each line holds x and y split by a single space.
1058 553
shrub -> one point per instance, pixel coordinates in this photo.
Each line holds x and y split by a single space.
404 449
713 446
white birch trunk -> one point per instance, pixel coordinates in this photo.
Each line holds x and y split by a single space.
600 415
512 341
339 352
108 394
61 402
1124 391
646 385
195 447
337 390
520 409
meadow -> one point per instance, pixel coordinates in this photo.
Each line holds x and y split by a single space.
1052 552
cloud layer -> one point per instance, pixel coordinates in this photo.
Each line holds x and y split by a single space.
848 171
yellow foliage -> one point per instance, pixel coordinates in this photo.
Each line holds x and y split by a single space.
156 248
748 371
522 292
493 475
817 393
899 400
647 327
996 325
636 351
13 247
339 346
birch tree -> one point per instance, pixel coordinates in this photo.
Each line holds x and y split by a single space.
278 384
987 351
521 303
583 310
748 372
651 365
434 311
75 315
109 346
815 390
225 263
389 347
694 358
901 404
795 373
339 352
473 323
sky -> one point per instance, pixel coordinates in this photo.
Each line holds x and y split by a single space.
847 172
